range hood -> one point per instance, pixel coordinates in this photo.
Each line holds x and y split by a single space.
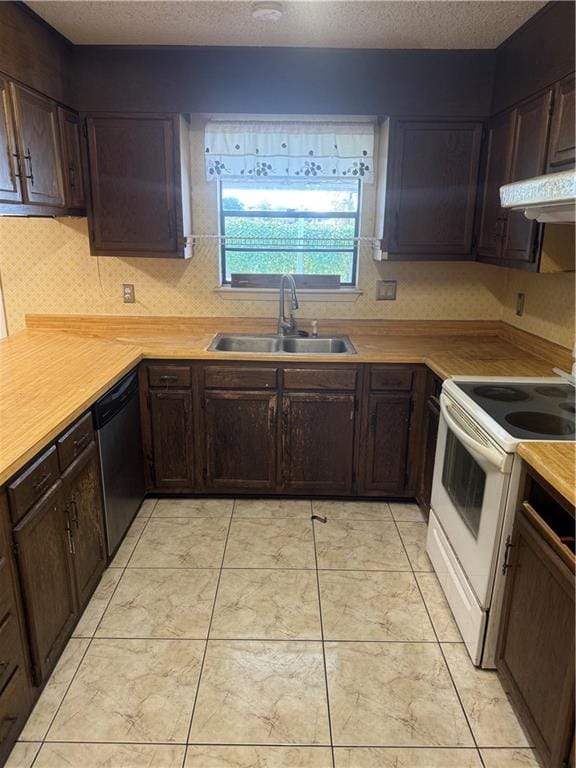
549 198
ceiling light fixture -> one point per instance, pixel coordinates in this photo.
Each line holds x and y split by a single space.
267 11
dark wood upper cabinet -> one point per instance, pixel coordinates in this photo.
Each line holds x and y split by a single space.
240 440
44 555
138 205
10 189
562 149
83 498
70 132
38 142
318 442
499 146
431 189
171 435
535 658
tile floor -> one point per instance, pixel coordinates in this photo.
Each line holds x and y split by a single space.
242 635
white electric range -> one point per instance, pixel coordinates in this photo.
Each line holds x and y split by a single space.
475 489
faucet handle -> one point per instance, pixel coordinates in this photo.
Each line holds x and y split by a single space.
314 328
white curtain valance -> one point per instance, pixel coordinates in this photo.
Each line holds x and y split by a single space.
289 150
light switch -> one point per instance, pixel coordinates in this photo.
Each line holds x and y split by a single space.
386 290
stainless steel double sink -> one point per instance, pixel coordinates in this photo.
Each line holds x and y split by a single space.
280 345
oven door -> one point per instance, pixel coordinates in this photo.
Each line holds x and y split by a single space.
469 489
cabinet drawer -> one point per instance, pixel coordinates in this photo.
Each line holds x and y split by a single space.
391 378
169 376
10 648
73 442
228 377
14 703
29 486
320 378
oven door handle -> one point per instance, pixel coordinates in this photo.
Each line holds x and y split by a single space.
491 455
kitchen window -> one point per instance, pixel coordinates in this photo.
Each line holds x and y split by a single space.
272 226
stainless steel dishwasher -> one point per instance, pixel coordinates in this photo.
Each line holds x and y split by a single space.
117 423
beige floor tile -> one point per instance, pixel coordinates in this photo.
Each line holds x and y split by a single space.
440 613
52 695
510 758
258 757
266 508
414 539
282 543
380 757
193 508
267 605
352 510
97 605
406 513
180 543
372 605
490 714
262 693
161 602
23 754
127 547
393 694
110 756
131 691
146 509
360 545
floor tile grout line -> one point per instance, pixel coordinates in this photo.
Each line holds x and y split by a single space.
189 733
322 640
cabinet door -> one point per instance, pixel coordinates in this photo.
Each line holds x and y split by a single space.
43 547
83 499
386 442
562 150
432 189
132 183
521 241
536 643
71 158
498 161
10 190
430 434
241 438
39 147
318 442
172 438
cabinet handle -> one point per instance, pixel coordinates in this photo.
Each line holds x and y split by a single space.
74 521
40 484
506 563
68 528
80 443
28 157
17 175
167 378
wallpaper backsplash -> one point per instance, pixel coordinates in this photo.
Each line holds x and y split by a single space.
46 267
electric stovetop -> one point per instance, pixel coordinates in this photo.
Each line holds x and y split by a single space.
530 411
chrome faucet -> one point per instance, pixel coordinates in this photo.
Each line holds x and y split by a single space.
287 327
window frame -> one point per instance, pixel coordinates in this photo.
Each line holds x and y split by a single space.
222 214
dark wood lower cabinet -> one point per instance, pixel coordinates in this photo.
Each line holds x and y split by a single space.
172 448
429 436
318 442
385 441
43 542
536 644
83 495
240 440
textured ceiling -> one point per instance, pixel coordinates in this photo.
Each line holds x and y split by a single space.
324 23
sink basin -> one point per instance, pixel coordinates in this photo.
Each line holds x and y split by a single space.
279 345
339 345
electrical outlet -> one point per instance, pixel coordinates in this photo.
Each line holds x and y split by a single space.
386 290
128 293
520 299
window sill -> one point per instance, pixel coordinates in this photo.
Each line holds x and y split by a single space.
304 294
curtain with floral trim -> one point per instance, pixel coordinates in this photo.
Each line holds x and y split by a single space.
289 150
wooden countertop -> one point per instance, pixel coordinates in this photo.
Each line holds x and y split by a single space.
54 370
47 379
556 463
